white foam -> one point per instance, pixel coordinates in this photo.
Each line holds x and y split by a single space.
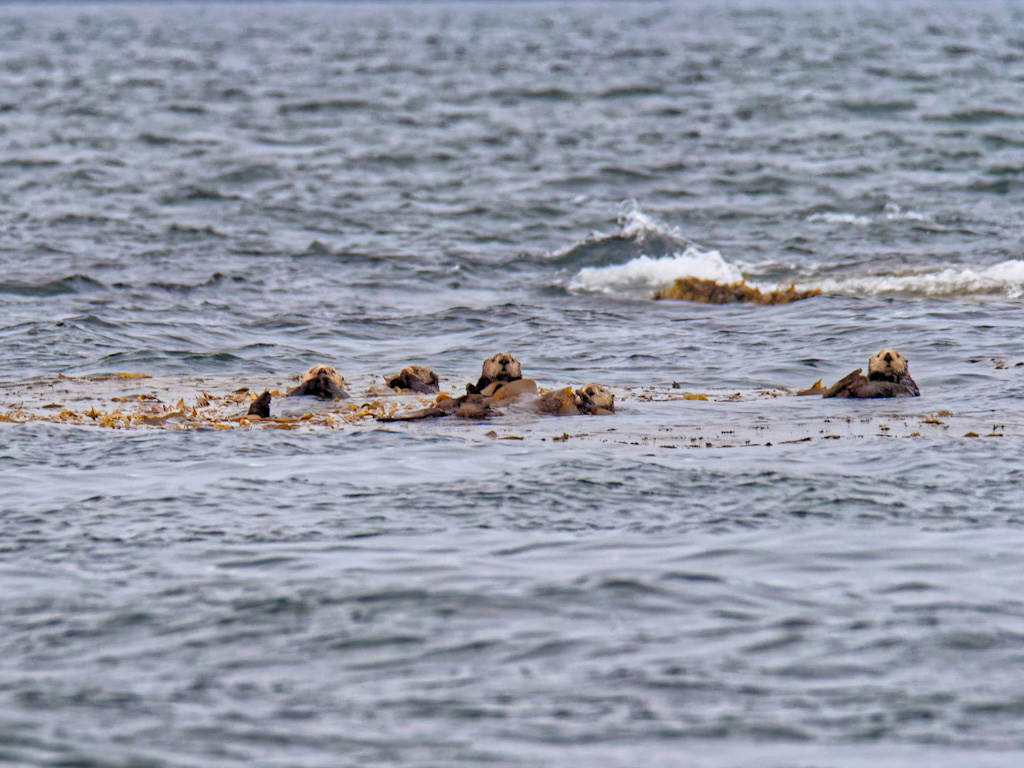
894 213
841 218
1005 278
646 274
643 275
891 212
633 223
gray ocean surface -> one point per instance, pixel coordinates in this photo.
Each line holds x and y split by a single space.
242 190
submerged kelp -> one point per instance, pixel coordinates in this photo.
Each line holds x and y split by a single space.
710 292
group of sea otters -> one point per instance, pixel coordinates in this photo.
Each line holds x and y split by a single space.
501 382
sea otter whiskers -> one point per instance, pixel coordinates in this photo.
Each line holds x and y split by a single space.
888 376
321 381
499 368
417 378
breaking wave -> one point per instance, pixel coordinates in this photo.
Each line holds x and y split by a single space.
645 255
642 256
1003 279
644 275
647 274
638 235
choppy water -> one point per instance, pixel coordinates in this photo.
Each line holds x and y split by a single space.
242 190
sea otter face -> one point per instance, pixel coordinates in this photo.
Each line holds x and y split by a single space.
593 398
321 381
323 371
502 367
887 364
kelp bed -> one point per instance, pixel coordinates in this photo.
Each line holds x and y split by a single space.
658 417
134 400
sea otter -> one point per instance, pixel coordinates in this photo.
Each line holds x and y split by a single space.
321 381
417 378
499 368
887 377
465 407
591 399
261 405
595 400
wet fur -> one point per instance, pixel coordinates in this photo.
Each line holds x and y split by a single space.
595 400
261 406
321 381
591 399
417 378
465 407
888 376
502 367
559 402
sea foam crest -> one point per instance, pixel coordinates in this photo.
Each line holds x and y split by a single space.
830 217
1005 278
646 274
657 255
891 212
636 223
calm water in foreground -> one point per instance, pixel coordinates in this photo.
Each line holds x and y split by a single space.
239 191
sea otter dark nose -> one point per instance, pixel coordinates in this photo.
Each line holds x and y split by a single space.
888 357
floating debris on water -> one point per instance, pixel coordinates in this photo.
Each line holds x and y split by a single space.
682 419
817 388
711 292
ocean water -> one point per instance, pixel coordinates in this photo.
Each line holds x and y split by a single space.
229 193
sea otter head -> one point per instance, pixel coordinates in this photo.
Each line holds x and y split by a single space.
502 367
321 381
595 399
417 378
887 365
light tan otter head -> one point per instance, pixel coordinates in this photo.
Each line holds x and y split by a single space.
887 365
321 381
502 367
595 399
326 371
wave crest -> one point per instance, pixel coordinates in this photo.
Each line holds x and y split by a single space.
638 235
645 256
642 256
1003 279
646 274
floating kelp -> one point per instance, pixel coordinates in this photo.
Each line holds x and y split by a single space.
817 388
656 416
130 401
710 292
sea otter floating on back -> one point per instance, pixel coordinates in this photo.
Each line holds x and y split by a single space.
887 377
501 383
591 399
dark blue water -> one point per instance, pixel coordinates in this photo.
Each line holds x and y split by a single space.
219 196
